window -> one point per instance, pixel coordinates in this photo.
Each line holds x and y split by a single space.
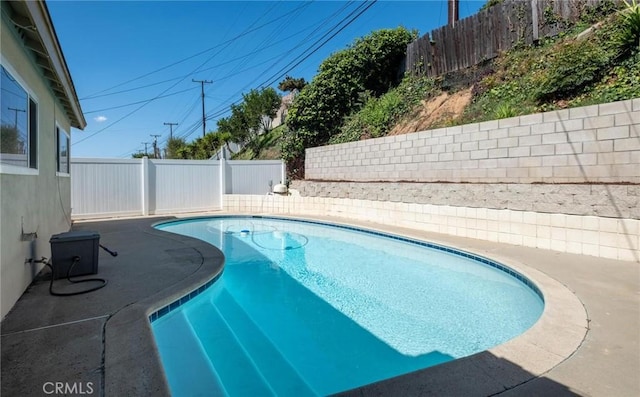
62 156
18 124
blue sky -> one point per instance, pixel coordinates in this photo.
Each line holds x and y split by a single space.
133 62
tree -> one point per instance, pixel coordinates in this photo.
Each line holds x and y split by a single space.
369 66
289 84
208 145
260 108
10 140
236 125
172 149
202 148
252 117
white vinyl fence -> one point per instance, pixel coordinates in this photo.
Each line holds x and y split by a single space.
253 176
110 187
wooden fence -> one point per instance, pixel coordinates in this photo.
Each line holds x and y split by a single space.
484 35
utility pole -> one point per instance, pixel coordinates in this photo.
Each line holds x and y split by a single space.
204 119
145 147
454 12
170 129
15 120
156 152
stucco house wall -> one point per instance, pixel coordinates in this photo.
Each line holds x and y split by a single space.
33 200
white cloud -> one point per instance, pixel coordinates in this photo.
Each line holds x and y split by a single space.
100 119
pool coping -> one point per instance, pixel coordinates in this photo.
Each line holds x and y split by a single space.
556 335
131 327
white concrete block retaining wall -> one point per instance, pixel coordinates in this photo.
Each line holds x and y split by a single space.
599 143
564 180
587 235
603 200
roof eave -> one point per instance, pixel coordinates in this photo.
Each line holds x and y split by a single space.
65 90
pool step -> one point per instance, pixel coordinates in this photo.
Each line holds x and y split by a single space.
238 373
278 372
324 345
301 335
184 358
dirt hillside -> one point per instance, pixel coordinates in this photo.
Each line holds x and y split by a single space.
434 111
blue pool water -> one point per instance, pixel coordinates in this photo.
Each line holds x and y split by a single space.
310 309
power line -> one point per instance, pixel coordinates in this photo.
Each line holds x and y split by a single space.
303 42
319 43
125 116
286 69
129 89
139 102
281 56
282 73
191 128
239 58
229 41
188 109
195 126
193 71
144 104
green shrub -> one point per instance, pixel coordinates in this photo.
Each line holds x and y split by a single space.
491 3
629 34
369 64
621 83
374 119
570 69
504 111
379 115
595 13
557 72
292 147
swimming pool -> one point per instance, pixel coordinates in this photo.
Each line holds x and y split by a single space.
304 308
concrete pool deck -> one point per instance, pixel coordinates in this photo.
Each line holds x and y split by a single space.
100 342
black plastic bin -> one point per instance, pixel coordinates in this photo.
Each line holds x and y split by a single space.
65 247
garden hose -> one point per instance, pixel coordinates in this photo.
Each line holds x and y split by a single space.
76 259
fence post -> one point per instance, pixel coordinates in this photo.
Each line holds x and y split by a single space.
145 185
534 20
223 182
283 173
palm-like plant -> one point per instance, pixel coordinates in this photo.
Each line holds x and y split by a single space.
629 37
504 111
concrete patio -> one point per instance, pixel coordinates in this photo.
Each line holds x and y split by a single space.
101 341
